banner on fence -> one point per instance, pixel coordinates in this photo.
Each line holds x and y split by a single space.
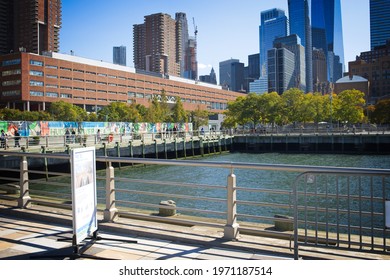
84 201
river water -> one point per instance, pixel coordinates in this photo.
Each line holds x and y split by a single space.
245 178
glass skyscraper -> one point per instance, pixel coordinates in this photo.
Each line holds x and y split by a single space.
119 55
379 22
299 19
327 35
274 24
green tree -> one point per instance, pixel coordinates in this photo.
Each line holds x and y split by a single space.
271 108
350 106
153 114
293 105
381 115
178 112
7 114
63 111
119 112
199 118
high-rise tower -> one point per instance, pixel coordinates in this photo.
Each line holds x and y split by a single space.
29 25
379 22
274 24
119 55
327 35
299 20
157 45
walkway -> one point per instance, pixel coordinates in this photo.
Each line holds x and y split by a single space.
27 234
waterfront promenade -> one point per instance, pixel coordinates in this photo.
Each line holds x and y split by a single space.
29 233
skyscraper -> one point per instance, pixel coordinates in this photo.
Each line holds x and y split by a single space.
182 29
119 55
299 20
379 22
327 35
29 25
231 74
293 44
157 45
274 24
281 64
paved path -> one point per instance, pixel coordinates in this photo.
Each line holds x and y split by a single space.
26 234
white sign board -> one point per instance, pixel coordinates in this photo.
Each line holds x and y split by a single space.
387 213
84 203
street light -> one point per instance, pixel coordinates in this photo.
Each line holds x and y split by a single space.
331 122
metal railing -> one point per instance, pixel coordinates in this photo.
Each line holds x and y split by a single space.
331 207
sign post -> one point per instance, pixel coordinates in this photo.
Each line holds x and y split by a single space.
84 201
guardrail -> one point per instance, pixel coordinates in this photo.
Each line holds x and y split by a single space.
331 207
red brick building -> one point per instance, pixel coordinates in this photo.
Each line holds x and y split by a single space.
31 82
31 25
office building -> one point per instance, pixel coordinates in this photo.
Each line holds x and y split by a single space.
119 55
281 64
299 20
231 75
29 25
379 22
157 45
259 86
274 24
32 82
375 67
211 79
182 30
320 77
293 44
327 35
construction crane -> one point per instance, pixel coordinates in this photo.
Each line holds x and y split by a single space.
195 28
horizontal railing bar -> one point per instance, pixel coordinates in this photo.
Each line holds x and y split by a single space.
169 183
345 226
286 192
167 219
305 169
263 218
264 204
168 207
16 180
340 211
49 173
340 196
171 195
9 170
50 183
39 192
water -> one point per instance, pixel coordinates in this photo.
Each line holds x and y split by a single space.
245 178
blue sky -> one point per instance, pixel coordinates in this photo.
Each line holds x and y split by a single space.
226 28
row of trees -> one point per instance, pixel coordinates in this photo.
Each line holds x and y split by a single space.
295 106
158 111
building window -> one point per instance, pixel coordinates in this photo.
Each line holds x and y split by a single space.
36 73
65 87
51 94
36 83
11 93
11 83
36 93
11 62
66 68
36 62
52 76
11 72
51 66
65 95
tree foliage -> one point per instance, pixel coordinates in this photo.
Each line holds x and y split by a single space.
381 114
119 112
199 118
63 111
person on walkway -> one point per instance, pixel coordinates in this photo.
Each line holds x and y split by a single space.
98 136
17 138
73 136
67 136
3 138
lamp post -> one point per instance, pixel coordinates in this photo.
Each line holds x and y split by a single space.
331 121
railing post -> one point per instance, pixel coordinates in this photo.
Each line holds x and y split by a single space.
110 213
231 228
24 198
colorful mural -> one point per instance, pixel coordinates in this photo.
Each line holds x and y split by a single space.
45 128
